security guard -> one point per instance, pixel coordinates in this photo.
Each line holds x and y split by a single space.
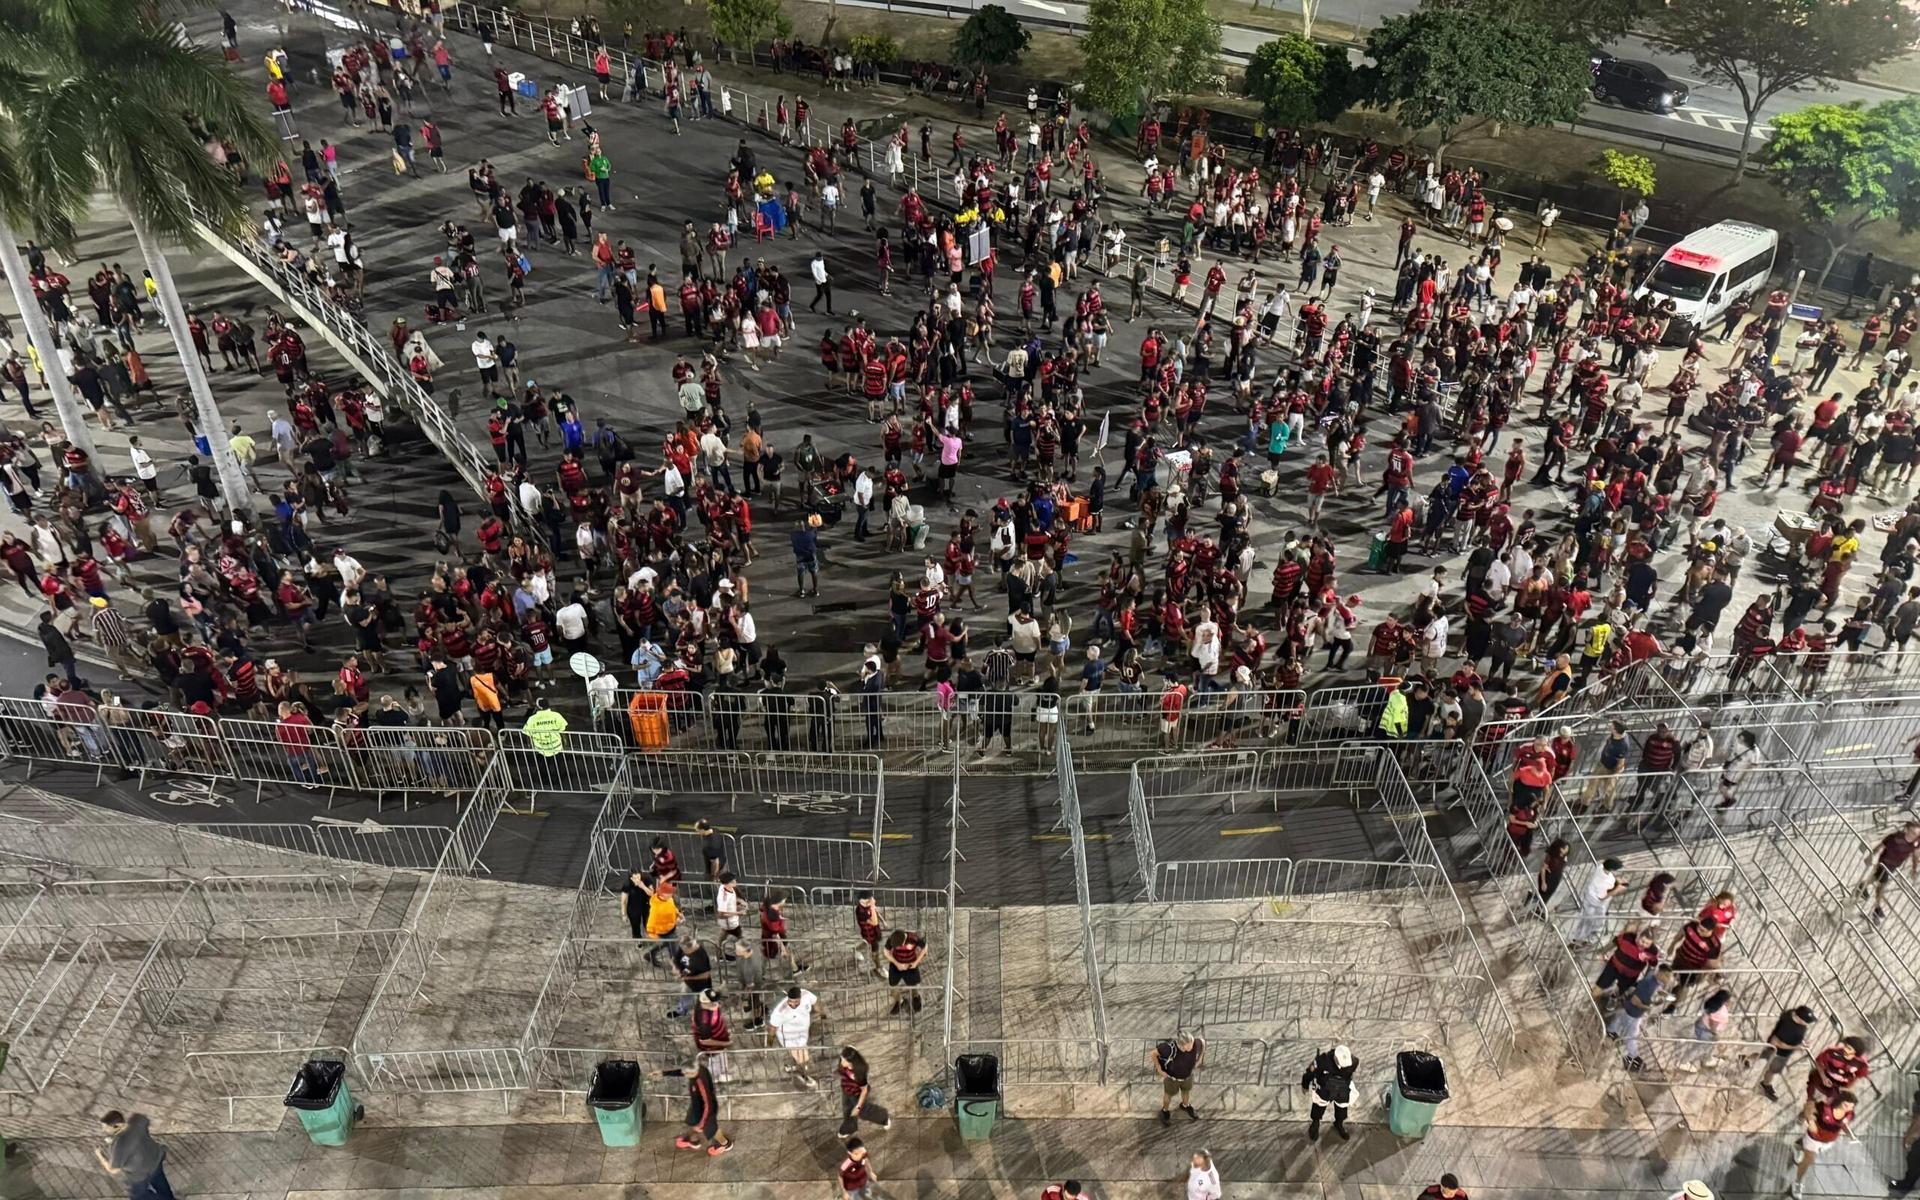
546 729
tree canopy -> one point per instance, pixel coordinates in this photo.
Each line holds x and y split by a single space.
1298 81
1849 166
990 37
1449 68
745 22
1137 50
1761 48
93 93
1629 172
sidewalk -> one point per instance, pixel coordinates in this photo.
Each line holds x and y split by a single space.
922 1158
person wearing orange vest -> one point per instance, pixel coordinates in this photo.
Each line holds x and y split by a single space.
486 698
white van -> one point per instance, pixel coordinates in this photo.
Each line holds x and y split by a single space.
1703 272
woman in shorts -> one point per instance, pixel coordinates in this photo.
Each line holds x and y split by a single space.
1827 1121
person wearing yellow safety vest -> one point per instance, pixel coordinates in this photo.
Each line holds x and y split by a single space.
546 729
1393 718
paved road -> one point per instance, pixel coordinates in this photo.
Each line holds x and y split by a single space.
1712 118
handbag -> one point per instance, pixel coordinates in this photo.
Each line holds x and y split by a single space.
399 164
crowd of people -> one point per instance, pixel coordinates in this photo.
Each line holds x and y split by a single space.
1319 390
1282 431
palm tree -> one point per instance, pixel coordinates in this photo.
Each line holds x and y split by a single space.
73 418
105 101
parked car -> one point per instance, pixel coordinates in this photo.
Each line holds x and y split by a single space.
1635 84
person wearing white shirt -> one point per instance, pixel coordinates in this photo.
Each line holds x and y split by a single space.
829 202
1375 182
1435 640
529 497
792 1023
1203 1178
487 359
1520 561
571 623
350 570
936 575
862 503
1498 577
1205 647
1600 889
822 283
727 907
143 466
603 692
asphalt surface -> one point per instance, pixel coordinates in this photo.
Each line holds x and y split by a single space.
1713 117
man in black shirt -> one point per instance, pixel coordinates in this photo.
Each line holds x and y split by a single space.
1710 603
1175 1063
695 967
1789 1032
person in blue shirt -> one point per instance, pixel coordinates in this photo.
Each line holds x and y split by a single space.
648 661
1634 1007
1599 788
1457 478
572 436
806 559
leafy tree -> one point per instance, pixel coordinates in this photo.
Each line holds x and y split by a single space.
991 37
94 93
1456 67
1761 48
1298 81
875 48
744 22
1136 50
1848 166
1592 21
1631 173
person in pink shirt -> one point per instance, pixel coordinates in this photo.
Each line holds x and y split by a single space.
950 447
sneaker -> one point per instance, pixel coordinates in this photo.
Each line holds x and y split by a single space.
1796 1189
1899 1186
1766 1089
1313 1131
1166 1118
686 1143
1188 1109
717 1150
808 1082
1340 1129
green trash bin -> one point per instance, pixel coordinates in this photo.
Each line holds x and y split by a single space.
1377 553
1419 1085
976 1095
614 1095
323 1102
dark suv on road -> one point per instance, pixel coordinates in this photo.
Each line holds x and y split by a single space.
1635 84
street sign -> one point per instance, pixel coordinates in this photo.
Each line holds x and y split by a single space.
585 665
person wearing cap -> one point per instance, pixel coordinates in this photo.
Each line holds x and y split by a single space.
1328 1082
